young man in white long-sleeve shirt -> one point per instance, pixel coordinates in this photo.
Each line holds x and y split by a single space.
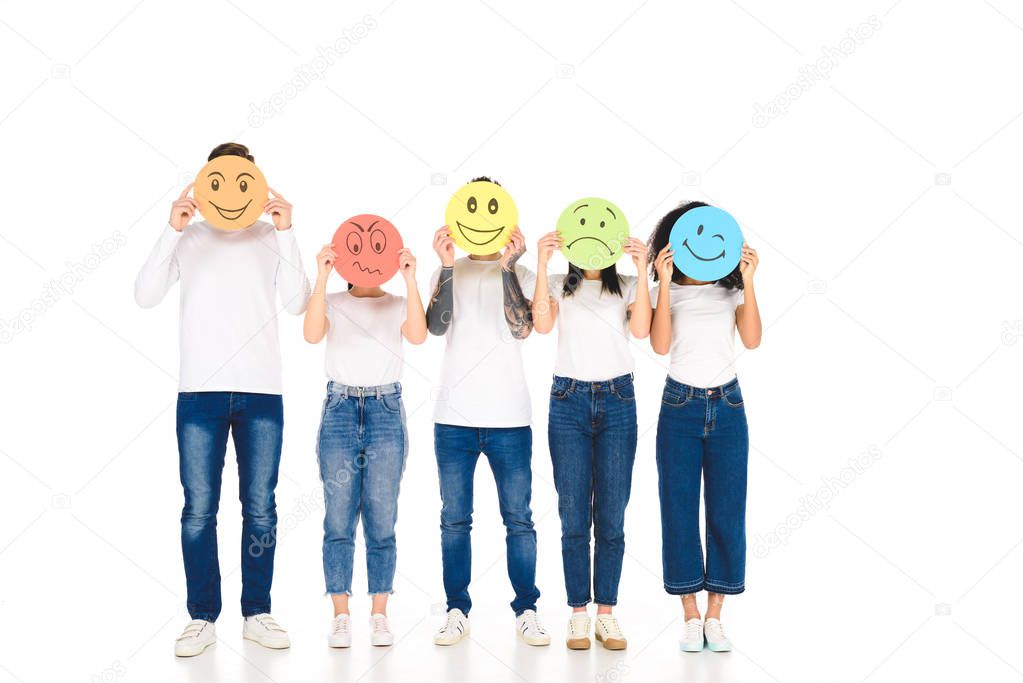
230 381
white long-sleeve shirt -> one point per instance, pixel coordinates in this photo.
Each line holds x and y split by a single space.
230 282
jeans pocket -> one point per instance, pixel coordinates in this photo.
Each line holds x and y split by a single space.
391 403
674 399
626 392
733 397
332 401
561 388
186 395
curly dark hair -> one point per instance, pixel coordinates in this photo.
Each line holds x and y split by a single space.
659 237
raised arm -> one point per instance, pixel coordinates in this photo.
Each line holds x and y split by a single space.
747 315
292 283
315 325
517 308
442 301
414 327
545 307
660 325
160 271
639 311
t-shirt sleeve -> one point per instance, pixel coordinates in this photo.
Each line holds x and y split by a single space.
631 285
740 298
555 285
333 309
527 280
399 309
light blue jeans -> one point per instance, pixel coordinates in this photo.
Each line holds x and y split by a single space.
361 449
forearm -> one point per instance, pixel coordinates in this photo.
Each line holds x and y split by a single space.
543 308
160 270
517 308
292 283
442 303
414 328
660 325
315 325
747 319
640 311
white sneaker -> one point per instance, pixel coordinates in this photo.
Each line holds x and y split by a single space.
454 629
530 630
262 629
197 636
692 636
609 632
578 632
714 632
340 631
380 633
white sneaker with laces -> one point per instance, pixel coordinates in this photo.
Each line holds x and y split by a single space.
578 631
530 630
692 636
609 632
380 631
717 641
454 629
262 629
340 631
197 636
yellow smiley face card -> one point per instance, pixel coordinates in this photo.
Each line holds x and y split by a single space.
481 217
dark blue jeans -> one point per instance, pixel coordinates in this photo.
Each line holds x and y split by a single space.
702 432
255 422
361 449
509 452
592 437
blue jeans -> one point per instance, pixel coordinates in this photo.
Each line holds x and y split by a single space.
592 437
703 431
361 449
509 452
255 422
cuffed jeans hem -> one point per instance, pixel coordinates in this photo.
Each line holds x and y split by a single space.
382 591
684 588
725 588
609 603
253 611
518 612
579 604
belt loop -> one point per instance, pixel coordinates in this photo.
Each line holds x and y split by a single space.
344 392
378 392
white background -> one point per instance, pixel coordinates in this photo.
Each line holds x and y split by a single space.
883 204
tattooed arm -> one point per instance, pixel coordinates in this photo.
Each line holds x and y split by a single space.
442 301
517 308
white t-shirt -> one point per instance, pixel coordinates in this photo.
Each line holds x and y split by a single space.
482 382
231 281
702 333
593 330
364 343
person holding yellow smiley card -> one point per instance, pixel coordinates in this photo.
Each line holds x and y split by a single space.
233 269
480 304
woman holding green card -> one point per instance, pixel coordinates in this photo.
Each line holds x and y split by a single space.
592 425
